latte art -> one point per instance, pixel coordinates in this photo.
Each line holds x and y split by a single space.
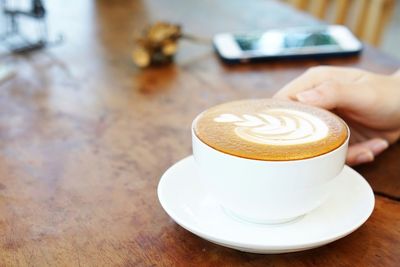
270 129
277 127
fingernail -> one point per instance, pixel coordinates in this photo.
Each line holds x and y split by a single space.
379 145
365 157
309 96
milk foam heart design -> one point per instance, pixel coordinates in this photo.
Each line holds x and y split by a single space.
277 127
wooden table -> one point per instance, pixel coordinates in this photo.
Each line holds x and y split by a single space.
85 137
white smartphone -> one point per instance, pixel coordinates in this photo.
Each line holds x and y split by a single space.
315 41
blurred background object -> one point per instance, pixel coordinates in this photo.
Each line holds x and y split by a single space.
366 18
24 26
6 72
158 44
391 37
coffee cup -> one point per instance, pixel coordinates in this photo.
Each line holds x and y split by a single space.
232 150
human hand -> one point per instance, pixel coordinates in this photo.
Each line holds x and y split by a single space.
368 102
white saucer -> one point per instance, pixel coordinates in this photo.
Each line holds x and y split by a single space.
183 197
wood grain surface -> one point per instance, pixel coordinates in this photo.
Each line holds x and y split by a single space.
85 137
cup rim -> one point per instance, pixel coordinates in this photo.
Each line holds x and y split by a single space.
345 143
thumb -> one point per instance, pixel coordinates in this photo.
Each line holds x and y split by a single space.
328 95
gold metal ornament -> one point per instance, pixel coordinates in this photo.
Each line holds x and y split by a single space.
158 44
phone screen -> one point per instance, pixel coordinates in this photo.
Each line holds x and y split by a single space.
277 41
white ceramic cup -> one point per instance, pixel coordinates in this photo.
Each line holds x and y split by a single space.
263 191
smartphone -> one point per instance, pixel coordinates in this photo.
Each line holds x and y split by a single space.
302 42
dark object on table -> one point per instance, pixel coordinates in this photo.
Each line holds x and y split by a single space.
37 13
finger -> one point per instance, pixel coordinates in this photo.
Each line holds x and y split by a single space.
366 151
377 145
356 100
315 76
306 81
328 95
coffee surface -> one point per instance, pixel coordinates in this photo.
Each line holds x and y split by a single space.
269 129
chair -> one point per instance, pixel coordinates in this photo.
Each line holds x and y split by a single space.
366 18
